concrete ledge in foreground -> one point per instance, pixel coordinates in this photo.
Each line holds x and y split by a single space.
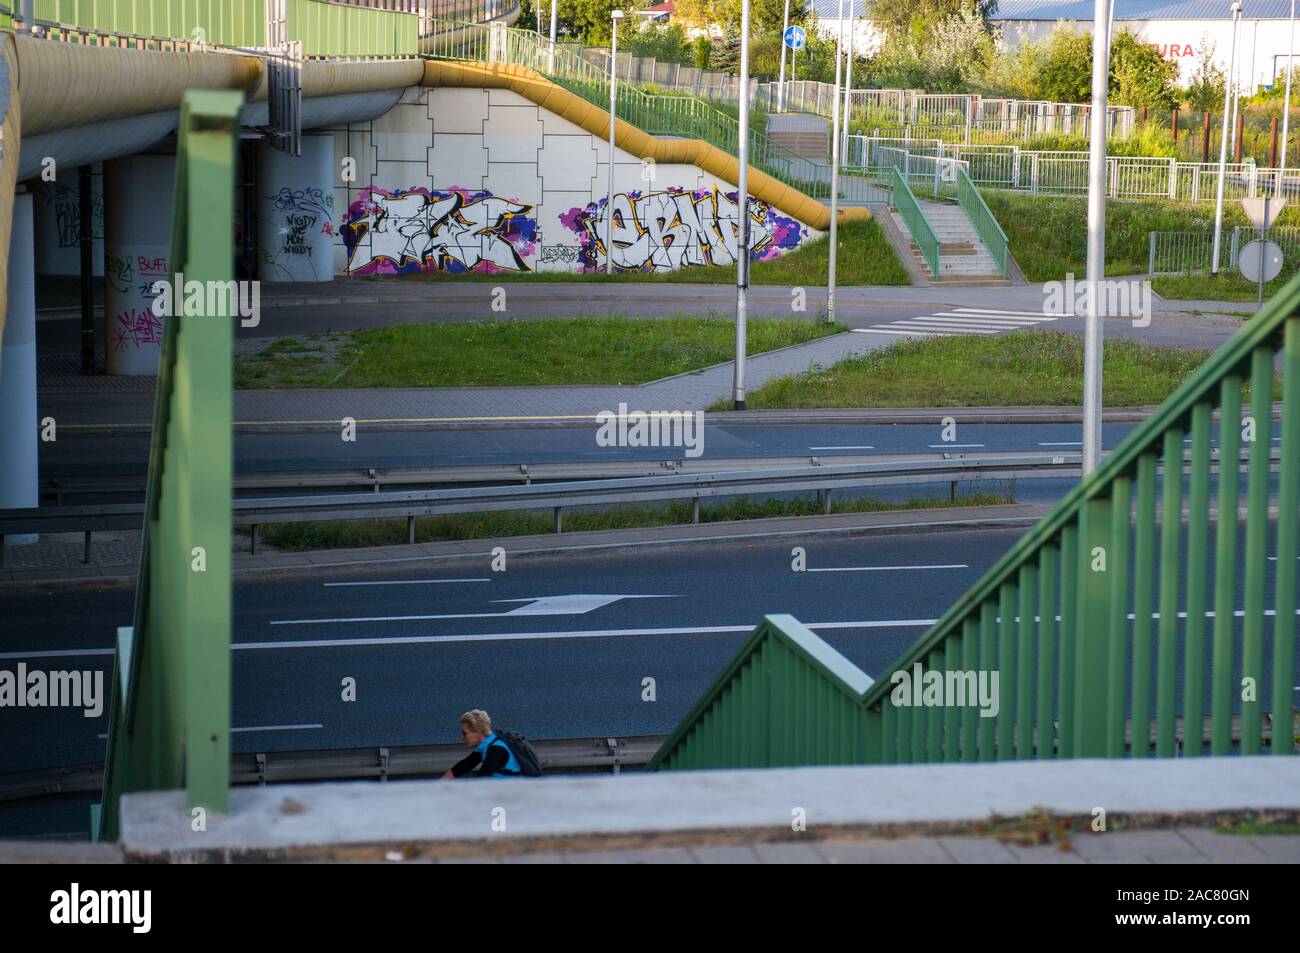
360 821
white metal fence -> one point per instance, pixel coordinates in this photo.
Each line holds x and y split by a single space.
1189 253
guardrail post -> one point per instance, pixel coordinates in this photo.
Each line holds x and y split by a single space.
1151 254
559 520
85 557
826 501
410 530
255 539
695 509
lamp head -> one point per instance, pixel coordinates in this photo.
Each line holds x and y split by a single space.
617 14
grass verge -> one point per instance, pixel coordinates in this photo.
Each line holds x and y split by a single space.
1048 235
1223 287
339 534
1022 368
865 257
593 350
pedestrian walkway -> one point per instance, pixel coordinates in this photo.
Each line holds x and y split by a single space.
962 322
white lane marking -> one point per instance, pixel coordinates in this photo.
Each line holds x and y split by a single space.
952 324
938 328
524 636
278 728
989 319
945 446
841 448
540 605
402 582
885 568
900 332
1063 443
1006 311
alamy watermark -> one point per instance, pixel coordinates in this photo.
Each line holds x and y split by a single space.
959 688
33 688
203 299
656 428
1117 298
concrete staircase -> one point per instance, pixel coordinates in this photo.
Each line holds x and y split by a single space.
963 257
809 136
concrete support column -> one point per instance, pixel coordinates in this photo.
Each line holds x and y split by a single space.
296 225
137 246
57 211
18 423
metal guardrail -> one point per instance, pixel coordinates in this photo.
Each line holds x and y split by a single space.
411 504
380 763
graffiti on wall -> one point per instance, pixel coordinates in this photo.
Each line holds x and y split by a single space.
65 202
300 210
400 232
664 231
135 276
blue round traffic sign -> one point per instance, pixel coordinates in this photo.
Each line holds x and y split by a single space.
795 37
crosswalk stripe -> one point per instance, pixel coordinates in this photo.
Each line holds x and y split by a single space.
1004 311
903 332
968 323
923 326
991 317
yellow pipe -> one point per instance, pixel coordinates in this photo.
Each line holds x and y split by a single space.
556 99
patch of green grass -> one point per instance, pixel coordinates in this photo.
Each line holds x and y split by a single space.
864 257
1022 368
1257 829
1048 235
594 350
339 534
1223 287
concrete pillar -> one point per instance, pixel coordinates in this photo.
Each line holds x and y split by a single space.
56 208
296 224
18 423
137 244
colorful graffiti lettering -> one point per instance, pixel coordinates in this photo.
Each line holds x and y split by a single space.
136 328
400 232
664 231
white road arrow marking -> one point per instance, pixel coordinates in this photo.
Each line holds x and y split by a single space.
541 605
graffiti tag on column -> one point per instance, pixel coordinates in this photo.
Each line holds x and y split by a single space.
301 209
419 230
135 328
66 203
562 253
664 231
294 231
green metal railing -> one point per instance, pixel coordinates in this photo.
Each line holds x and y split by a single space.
325 29
981 216
1100 644
910 211
660 115
169 719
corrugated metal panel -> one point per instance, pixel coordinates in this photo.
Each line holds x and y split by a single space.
1138 10
830 9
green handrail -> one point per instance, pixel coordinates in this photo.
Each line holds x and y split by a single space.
977 210
1096 640
927 242
169 718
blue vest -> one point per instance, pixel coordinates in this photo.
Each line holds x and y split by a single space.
512 768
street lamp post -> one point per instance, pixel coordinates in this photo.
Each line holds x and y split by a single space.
780 83
742 209
1096 266
555 19
848 83
1286 109
835 172
1223 143
615 16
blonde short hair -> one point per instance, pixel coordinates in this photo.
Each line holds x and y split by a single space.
477 720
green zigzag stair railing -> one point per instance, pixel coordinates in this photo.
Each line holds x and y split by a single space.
331 30
1094 636
169 719
676 115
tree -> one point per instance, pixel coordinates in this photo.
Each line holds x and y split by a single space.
725 56
1139 75
1066 73
589 20
899 17
1205 93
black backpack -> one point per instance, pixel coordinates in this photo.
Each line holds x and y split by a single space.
529 764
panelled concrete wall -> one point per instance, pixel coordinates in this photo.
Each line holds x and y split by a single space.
467 179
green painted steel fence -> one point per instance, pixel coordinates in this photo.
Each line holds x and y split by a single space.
169 719
1135 618
977 210
326 29
910 211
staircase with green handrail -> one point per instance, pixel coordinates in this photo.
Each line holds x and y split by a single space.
1134 619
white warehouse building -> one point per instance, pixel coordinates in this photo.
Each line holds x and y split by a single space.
1177 28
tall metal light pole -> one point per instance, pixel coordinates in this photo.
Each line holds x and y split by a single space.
555 19
742 209
1223 143
615 16
835 173
780 83
848 81
1286 108
1096 267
